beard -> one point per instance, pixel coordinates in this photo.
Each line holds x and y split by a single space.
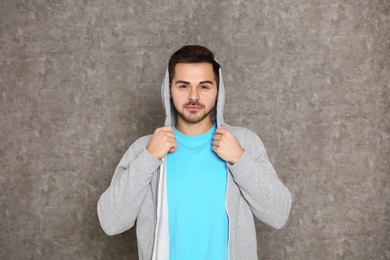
193 117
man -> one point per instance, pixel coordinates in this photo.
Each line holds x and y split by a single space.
195 184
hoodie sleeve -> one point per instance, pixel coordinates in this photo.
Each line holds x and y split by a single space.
119 205
268 198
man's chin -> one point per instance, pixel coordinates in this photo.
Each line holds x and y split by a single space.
193 118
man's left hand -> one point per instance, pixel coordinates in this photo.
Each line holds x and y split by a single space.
226 145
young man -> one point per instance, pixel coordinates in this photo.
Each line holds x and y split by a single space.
195 184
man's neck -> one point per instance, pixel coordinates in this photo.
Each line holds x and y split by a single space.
194 129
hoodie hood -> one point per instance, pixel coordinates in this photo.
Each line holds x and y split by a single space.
170 113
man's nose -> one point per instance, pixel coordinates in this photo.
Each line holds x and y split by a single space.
194 94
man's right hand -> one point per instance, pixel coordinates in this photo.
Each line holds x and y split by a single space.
162 142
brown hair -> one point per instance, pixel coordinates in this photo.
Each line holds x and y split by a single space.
193 54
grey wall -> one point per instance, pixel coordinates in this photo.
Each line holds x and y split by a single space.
80 82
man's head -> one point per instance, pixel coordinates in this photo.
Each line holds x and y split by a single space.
192 54
193 83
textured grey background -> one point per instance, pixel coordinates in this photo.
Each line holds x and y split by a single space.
80 82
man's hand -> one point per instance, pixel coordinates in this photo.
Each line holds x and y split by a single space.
226 145
162 142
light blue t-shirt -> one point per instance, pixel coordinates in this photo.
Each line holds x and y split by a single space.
196 190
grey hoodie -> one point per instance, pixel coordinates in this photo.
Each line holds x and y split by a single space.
138 192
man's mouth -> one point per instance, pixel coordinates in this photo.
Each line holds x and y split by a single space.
193 107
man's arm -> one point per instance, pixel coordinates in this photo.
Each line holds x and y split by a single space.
268 198
119 205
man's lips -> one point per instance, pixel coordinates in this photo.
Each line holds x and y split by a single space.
193 107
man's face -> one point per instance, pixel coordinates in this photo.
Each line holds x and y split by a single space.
194 91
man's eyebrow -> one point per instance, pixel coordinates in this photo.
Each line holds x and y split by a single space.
182 82
206 82
186 82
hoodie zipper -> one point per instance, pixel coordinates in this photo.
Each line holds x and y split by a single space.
227 212
159 197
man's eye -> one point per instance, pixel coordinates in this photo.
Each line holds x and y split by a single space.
204 87
182 86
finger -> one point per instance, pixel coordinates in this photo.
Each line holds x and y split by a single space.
218 134
162 134
169 129
166 129
221 130
170 135
174 145
171 141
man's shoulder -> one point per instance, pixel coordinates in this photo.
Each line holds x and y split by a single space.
135 149
144 139
240 131
141 142
246 136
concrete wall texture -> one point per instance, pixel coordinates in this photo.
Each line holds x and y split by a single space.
80 81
